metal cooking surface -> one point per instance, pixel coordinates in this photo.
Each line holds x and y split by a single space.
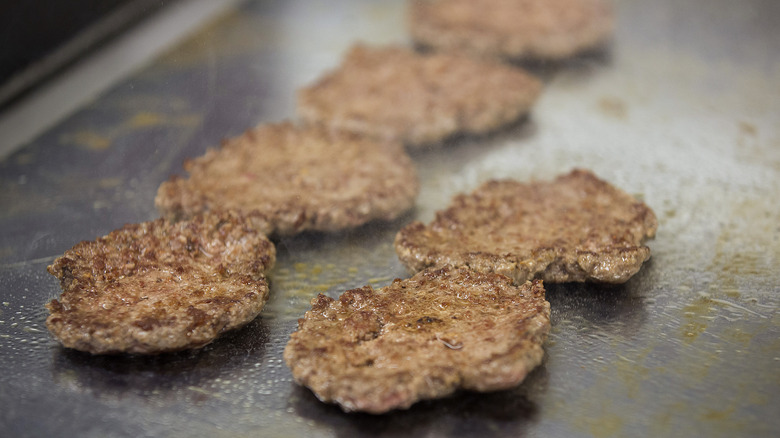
682 110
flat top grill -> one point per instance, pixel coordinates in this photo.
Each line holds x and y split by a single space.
680 110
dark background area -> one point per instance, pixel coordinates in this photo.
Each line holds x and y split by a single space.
35 34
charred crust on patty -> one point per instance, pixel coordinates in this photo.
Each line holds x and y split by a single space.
420 338
296 179
576 228
512 29
393 93
161 286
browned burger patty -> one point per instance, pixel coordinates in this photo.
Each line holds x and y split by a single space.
575 228
298 178
160 286
393 93
541 29
420 338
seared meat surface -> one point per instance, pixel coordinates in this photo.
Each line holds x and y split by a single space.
299 179
393 93
539 29
161 286
575 228
419 338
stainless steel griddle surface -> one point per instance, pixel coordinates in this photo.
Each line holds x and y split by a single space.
683 110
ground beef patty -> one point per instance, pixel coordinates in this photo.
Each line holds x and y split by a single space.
396 94
541 29
420 338
299 178
575 228
160 286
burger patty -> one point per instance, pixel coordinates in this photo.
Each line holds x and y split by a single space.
541 29
299 179
393 93
573 229
160 286
419 338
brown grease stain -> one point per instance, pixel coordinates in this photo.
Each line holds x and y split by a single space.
24 158
86 140
296 282
230 35
606 425
756 149
594 411
140 120
146 119
719 415
6 251
737 335
747 250
613 107
745 255
632 371
299 286
748 128
695 318
109 183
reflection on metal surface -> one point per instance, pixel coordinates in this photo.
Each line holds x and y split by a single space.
81 82
681 111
